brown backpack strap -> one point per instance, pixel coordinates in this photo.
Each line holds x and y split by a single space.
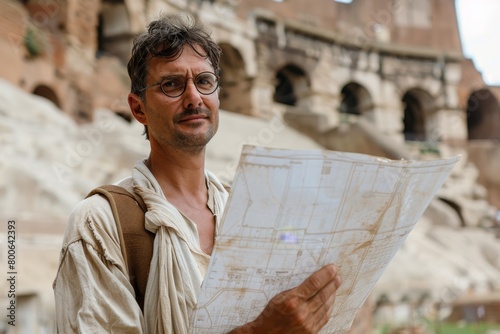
136 242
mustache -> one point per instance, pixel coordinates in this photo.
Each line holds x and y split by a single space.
191 112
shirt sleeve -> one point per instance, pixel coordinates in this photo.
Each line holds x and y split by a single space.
92 291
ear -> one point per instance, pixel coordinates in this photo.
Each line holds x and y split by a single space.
137 108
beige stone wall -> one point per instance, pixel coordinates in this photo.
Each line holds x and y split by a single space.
12 50
35 56
40 53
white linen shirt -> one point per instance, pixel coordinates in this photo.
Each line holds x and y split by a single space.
92 290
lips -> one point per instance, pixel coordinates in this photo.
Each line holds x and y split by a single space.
193 117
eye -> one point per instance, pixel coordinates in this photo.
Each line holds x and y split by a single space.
206 80
172 83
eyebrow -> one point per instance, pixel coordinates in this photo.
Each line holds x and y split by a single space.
180 75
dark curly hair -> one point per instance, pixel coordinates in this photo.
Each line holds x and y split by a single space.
165 38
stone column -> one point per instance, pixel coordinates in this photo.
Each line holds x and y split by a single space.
451 125
323 104
388 111
261 97
452 120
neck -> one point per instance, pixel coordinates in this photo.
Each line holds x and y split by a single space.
178 171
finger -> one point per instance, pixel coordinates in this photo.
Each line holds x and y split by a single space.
326 296
317 281
322 314
324 311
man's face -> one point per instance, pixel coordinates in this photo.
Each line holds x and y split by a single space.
187 122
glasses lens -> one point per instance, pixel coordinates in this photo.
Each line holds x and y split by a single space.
173 85
206 82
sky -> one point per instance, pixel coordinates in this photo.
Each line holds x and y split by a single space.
479 23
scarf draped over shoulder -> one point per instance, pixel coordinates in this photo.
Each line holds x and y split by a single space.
178 264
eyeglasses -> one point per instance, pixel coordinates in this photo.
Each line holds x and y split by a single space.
175 85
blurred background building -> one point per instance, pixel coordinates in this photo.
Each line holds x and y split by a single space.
381 77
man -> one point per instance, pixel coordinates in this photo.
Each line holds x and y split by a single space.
174 72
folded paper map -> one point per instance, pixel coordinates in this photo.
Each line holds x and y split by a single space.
290 212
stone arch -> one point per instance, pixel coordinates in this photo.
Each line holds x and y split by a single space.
356 99
114 32
418 106
47 93
235 84
291 84
483 115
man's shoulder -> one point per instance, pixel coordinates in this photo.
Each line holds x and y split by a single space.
91 224
91 216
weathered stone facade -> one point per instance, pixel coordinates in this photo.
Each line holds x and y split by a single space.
396 63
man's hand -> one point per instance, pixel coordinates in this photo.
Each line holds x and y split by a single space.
303 309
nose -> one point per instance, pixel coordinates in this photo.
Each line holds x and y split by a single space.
190 84
191 96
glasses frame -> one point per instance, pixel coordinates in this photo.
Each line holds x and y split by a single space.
185 84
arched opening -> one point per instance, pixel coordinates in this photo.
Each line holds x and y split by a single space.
418 105
355 99
47 93
235 85
291 81
114 35
483 115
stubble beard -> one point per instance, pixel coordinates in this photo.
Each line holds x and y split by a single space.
193 143
190 143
